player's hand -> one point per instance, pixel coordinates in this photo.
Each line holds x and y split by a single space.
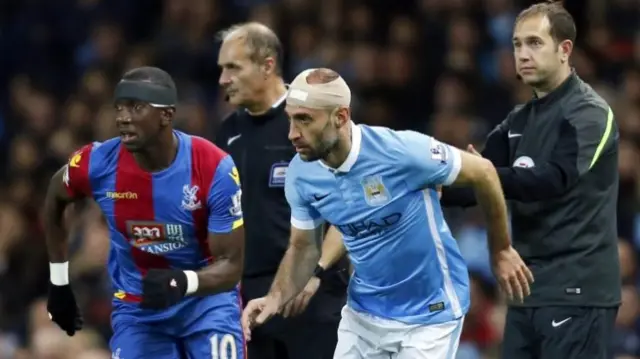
162 288
257 312
301 301
63 309
472 150
512 274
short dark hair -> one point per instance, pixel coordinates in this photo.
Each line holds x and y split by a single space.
261 41
155 75
562 25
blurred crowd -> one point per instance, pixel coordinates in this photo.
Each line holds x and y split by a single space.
443 67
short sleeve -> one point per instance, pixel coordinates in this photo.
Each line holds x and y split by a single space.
303 215
429 161
76 173
224 200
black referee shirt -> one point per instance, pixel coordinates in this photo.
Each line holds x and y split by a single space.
557 159
261 151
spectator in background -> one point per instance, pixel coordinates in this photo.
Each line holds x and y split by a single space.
61 59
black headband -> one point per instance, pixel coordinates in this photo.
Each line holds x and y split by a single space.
155 95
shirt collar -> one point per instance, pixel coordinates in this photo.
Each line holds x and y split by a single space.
278 101
559 92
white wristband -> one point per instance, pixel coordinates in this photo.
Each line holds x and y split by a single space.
59 273
192 281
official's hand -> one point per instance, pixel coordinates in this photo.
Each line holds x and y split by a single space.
512 274
472 150
301 301
162 288
63 309
257 312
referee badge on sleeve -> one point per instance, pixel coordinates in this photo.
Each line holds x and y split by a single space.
278 174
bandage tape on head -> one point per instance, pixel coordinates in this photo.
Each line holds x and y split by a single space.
153 94
328 95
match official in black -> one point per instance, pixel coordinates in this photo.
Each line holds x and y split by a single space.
256 137
557 159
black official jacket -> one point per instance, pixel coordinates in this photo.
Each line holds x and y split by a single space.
557 159
261 151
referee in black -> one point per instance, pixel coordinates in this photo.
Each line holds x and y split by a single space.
557 159
255 135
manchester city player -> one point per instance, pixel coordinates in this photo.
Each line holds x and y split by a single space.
410 288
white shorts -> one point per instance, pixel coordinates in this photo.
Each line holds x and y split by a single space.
364 336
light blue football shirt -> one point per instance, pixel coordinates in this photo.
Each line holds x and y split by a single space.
382 198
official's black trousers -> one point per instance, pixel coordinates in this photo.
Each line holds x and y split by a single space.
311 335
558 333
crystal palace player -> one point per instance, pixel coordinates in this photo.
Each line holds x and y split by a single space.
172 205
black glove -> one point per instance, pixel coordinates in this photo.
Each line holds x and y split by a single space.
162 288
63 309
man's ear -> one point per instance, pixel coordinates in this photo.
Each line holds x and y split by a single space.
269 66
167 115
343 114
566 48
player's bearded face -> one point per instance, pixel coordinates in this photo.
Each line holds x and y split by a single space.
315 135
324 141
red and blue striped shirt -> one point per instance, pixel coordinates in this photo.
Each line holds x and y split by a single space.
160 219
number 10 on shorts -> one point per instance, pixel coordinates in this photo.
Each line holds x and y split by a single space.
223 347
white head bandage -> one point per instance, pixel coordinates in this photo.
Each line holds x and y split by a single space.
331 94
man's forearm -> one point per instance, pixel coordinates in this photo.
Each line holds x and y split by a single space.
332 248
491 200
294 272
55 233
220 276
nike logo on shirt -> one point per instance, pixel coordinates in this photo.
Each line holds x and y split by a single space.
557 324
512 135
232 139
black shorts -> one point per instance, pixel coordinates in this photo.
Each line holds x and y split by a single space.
558 332
311 335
